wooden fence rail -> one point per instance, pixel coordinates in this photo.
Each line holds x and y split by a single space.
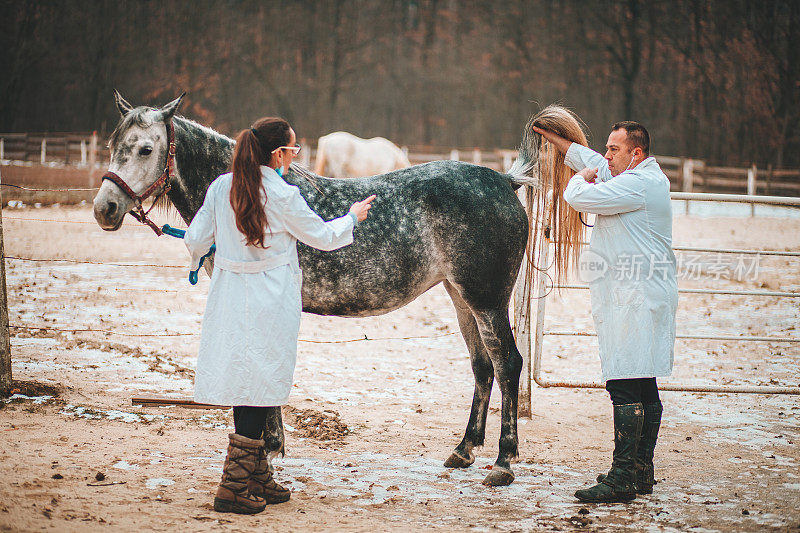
82 150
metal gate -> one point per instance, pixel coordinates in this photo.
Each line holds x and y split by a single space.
522 314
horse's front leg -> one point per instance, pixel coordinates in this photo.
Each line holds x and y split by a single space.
273 434
497 337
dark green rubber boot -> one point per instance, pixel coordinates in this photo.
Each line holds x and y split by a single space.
619 485
645 475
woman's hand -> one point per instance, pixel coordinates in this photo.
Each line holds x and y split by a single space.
360 209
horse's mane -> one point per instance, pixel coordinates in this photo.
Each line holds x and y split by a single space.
138 117
307 175
133 117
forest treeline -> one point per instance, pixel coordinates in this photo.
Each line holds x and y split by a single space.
712 79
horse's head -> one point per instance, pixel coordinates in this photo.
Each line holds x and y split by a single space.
139 150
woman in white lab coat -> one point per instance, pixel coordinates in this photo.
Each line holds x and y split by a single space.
248 345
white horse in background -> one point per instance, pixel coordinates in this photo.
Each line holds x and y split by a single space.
346 156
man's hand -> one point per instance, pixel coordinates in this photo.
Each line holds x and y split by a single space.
589 174
561 144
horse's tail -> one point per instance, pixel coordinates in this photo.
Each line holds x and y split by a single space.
541 168
319 168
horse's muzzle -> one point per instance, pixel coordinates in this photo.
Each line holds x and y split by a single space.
109 211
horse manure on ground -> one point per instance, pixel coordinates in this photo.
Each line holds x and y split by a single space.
320 425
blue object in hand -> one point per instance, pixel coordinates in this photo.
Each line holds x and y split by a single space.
180 234
174 232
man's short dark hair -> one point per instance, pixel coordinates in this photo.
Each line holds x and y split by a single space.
637 134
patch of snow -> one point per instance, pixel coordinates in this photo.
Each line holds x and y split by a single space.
124 465
38 366
154 483
35 399
113 414
125 417
33 341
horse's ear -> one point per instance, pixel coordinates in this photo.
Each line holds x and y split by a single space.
169 110
122 104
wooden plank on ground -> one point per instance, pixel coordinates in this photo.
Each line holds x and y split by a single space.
157 401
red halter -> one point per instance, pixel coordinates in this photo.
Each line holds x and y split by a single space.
138 211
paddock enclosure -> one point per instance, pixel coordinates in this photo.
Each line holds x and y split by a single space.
377 403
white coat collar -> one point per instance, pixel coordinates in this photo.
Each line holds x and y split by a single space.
269 171
647 162
643 166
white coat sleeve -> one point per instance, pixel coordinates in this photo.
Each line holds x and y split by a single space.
579 157
200 235
308 228
622 194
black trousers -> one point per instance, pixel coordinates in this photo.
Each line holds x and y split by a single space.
250 421
637 390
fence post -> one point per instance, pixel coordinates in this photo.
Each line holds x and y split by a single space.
507 161
541 301
5 342
522 323
769 179
2 148
454 155
476 156
43 155
688 177
83 152
305 150
751 186
92 158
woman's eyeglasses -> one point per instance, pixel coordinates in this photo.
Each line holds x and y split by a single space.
294 149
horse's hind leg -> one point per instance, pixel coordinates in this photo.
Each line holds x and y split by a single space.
475 433
495 330
273 433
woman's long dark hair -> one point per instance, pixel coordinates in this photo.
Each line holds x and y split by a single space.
254 148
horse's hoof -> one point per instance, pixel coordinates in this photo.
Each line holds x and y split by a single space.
499 477
457 461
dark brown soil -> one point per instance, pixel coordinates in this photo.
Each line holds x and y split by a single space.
34 388
320 425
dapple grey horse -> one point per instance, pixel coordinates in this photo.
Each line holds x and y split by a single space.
445 222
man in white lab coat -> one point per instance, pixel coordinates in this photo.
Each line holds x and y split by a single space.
634 293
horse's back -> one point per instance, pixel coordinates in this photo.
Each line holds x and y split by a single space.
440 220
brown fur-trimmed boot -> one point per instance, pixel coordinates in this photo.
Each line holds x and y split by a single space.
263 484
233 494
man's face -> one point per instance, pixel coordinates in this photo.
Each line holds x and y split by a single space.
619 152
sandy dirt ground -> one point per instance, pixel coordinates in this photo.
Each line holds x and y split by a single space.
371 421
